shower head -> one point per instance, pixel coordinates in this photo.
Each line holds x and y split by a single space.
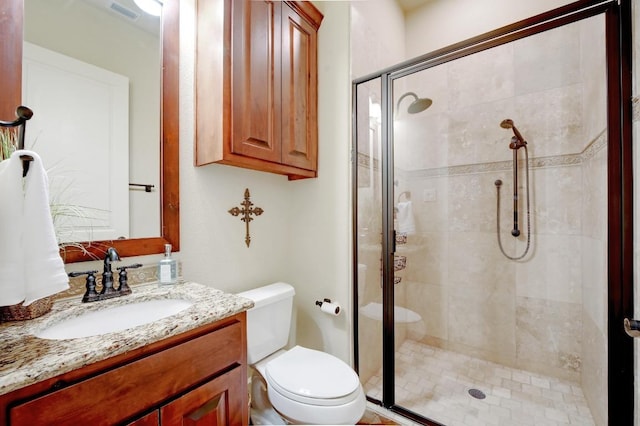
418 105
507 123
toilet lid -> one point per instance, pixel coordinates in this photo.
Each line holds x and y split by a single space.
312 374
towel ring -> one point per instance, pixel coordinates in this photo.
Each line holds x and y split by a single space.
23 113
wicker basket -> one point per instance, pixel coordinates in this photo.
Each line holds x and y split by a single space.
20 313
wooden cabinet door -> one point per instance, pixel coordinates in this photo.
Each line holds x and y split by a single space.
219 402
256 85
256 79
299 91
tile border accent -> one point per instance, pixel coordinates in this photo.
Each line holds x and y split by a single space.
595 146
365 160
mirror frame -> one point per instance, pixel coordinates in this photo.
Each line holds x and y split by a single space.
11 31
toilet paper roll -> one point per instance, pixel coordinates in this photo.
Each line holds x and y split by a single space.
331 308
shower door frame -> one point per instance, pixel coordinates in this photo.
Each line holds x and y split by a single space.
619 188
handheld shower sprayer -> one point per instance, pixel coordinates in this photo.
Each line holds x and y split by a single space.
508 124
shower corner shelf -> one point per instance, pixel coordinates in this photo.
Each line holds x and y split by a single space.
401 238
399 263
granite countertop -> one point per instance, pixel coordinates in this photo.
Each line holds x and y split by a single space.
26 359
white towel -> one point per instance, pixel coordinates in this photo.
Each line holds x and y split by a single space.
11 225
39 269
406 222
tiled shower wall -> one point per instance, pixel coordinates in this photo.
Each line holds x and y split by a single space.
548 313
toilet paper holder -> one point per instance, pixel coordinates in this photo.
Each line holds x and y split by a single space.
320 302
332 308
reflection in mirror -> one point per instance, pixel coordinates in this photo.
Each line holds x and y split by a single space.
97 100
167 177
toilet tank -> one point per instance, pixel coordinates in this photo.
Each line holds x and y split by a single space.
269 320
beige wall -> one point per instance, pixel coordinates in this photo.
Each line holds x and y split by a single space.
378 23
318 252
303 236
440 23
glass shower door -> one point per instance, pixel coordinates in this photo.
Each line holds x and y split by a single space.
368 225
500 192
490 233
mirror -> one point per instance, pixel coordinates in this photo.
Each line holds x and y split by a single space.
10 85
109 81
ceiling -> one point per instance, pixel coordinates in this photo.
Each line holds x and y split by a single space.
409 5
142 20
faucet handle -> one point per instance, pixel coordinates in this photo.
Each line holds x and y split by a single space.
124 288
90 294
77 274
124 268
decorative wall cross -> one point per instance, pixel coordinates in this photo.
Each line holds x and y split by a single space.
246 211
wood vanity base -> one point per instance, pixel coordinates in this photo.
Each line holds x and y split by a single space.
195 378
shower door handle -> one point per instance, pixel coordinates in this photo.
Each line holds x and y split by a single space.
632 327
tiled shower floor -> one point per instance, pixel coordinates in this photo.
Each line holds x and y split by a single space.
435 383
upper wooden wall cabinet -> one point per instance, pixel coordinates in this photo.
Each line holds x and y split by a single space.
256 85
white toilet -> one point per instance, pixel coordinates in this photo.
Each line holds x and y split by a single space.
304 386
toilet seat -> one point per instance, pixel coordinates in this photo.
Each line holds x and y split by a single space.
311 387
313 377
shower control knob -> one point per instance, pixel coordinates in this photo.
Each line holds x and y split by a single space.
632 327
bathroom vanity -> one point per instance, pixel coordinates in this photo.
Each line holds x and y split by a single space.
188 368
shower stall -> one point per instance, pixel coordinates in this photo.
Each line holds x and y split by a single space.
492 226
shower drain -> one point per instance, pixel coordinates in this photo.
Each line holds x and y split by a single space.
477 393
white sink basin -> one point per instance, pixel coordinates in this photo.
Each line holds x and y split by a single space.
113 319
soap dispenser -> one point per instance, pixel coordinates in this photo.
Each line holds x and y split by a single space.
167 268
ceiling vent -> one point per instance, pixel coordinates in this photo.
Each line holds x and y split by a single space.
124 11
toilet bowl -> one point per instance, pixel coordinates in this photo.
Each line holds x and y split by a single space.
304 386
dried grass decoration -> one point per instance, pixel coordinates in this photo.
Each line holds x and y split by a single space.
8 142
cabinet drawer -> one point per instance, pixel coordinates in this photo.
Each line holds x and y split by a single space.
126 391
